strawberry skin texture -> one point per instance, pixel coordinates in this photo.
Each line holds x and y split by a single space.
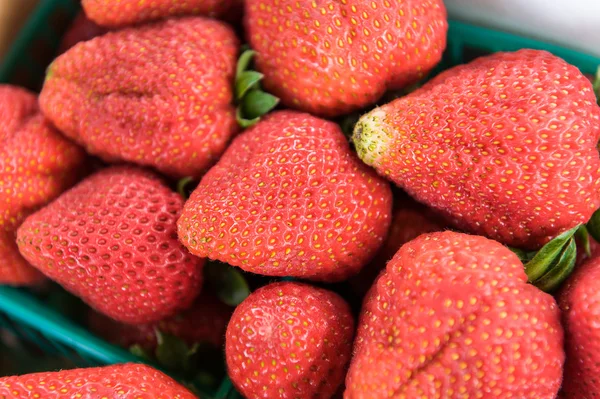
36 165
158 95
205 321
113 13
111 240
289 340
81 30
579 301
452 316
331 58
289 198
409 220
127 381
505 146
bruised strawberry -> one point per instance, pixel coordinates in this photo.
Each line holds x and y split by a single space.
112 241
289 198
289 340
409 220
158 95
452 317
81 30
123 381
36 165
204 322
331 58
113 13
504 146
579 301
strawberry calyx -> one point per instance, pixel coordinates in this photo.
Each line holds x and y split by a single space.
252 101
229 283
185 186
198 366
548 267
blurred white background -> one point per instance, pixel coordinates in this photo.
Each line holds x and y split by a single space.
570 23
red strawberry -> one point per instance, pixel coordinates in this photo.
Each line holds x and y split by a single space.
289 340
111 241
127 12
36 165
157 95
453 317
579 301
205 321
410 219
289 198
331 58
127 381
505 146
81 30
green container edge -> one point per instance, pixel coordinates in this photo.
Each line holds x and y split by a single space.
24 308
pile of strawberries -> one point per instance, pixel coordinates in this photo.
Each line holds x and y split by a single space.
500 155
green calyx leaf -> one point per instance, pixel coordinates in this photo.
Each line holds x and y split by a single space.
544 258
560 270
229 283
173 353
582 237
593 225
182 186
252 101
138 351
244 62
247 81
257 103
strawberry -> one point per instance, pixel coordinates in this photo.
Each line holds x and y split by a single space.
504 146
331 58
289 198
158 95
111 241
204 322
127 381
36 165
81 30
579 301
452 316
113 13
409 220
289 340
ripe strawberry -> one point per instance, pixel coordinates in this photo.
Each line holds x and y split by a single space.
204 322
289 340
36 165
331 58
111 241
504 146
452 317
127 381
127 12
409 220
579 301
289 198
157 95
81 30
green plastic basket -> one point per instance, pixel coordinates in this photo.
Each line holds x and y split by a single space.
30 319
